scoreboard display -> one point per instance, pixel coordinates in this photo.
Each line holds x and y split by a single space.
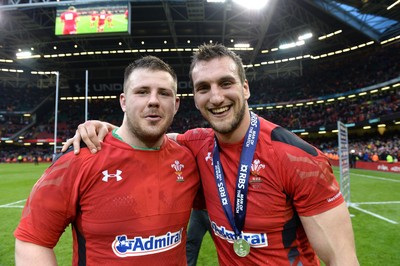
111 17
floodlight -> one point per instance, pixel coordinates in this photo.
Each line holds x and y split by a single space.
252 4
25 54
305 36
242 45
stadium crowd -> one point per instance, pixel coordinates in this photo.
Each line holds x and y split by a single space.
23 98
351 111
370 149
21 154
331 77
322 79
365 148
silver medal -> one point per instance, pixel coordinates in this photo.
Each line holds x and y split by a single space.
241 247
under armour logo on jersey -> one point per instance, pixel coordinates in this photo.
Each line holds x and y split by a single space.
209 157
117 175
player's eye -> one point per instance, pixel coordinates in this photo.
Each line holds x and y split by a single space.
202 89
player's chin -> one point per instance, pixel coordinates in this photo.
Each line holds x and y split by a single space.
157 129
152 136
223 129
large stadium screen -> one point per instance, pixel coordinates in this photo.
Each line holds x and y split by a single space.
109 17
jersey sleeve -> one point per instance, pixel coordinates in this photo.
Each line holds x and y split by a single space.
51 205
194 139
307 175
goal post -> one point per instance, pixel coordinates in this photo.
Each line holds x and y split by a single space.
344 162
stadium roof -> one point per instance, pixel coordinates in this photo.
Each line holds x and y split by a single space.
172 29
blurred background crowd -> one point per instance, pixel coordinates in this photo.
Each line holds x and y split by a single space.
350 74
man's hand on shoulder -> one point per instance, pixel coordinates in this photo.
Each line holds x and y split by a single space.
92 133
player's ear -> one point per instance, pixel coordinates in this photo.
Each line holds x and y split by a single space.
122 102
177 104
246 89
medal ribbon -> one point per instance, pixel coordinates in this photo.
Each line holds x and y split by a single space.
237 219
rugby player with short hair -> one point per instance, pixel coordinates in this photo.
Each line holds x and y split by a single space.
128 204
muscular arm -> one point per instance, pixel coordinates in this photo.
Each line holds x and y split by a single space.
331 235
31 254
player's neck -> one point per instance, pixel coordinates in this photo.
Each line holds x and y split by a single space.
238 134
137 143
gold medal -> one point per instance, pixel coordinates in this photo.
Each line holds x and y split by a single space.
241 247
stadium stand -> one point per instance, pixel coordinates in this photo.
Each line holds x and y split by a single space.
339 78
27 109
338 75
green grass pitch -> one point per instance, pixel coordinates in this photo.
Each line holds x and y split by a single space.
376 215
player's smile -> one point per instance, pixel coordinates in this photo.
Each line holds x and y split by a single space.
220 110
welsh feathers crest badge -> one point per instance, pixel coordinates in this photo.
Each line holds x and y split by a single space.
178 167
256 167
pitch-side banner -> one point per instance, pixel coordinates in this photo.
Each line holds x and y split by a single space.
111 87
376 166
96 87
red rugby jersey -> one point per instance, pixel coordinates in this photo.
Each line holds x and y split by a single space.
289 177
127 206
69 17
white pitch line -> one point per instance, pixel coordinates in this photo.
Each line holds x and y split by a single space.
354 205
378 178
12 204
377 203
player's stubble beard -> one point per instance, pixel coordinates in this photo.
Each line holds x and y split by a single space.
149 137
233 125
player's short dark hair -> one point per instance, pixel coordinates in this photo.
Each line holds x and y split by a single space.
207 52
149 62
